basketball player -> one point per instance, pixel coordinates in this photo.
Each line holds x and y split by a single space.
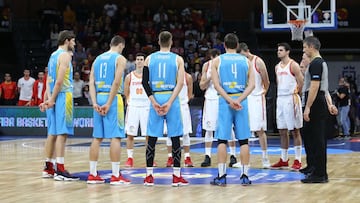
233 79
210 112
60 116
163 78
257 101
138 106
288 105
105 91
185 95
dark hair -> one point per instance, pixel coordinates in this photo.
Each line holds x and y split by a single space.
140 54
214 52
65 35
285 45
312 41
243 47
165 38
116 40
231 41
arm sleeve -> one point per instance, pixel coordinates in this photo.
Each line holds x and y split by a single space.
145 81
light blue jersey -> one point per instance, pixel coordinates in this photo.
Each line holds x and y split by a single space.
162 71
53 67
104 71
233 72
233 76
112 124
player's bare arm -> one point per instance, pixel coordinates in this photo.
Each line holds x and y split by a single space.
298 75
127 88
92 90
264 74
250 86
179 84
314 88
146 85
204 81
189 82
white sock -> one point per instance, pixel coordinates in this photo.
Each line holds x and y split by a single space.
93 170
264 154
208 151
53 161
149 171
130 153
187 154
60 160
169 155
115 168
245 169
298 152
284 154
176 171
48 160
222 169
232 150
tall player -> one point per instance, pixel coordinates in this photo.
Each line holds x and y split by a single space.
162 81
138 106
289 115
210 112
257 101
60 116
105 91
185 95
233 80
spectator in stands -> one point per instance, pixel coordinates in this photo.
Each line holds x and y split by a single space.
85 70
80 53
39 89
177 49
130 64
199 95
344 106
69 17
25 88
110 9
8 91
219 45
54 34
86 95
78 86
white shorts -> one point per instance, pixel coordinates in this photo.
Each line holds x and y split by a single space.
136 115
257 112
186 118
289 112
210 114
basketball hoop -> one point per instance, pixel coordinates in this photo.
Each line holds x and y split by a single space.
297 29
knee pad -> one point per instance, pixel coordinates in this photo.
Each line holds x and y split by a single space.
168 142
209 136
222 141
186 140
243 142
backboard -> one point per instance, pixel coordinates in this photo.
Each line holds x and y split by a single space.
318 14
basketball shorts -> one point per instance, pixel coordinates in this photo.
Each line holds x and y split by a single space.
60 116
155 127
210 114
289 112
135 116
230 117
112 124
257 112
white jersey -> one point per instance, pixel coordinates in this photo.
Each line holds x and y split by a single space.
137 95
259 87
26 88
286 81
183 95
210 92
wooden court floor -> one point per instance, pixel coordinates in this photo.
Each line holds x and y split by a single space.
21 162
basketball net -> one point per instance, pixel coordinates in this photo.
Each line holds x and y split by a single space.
297 29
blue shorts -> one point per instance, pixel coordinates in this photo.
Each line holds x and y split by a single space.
155 127
60 117
112 124
228 116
